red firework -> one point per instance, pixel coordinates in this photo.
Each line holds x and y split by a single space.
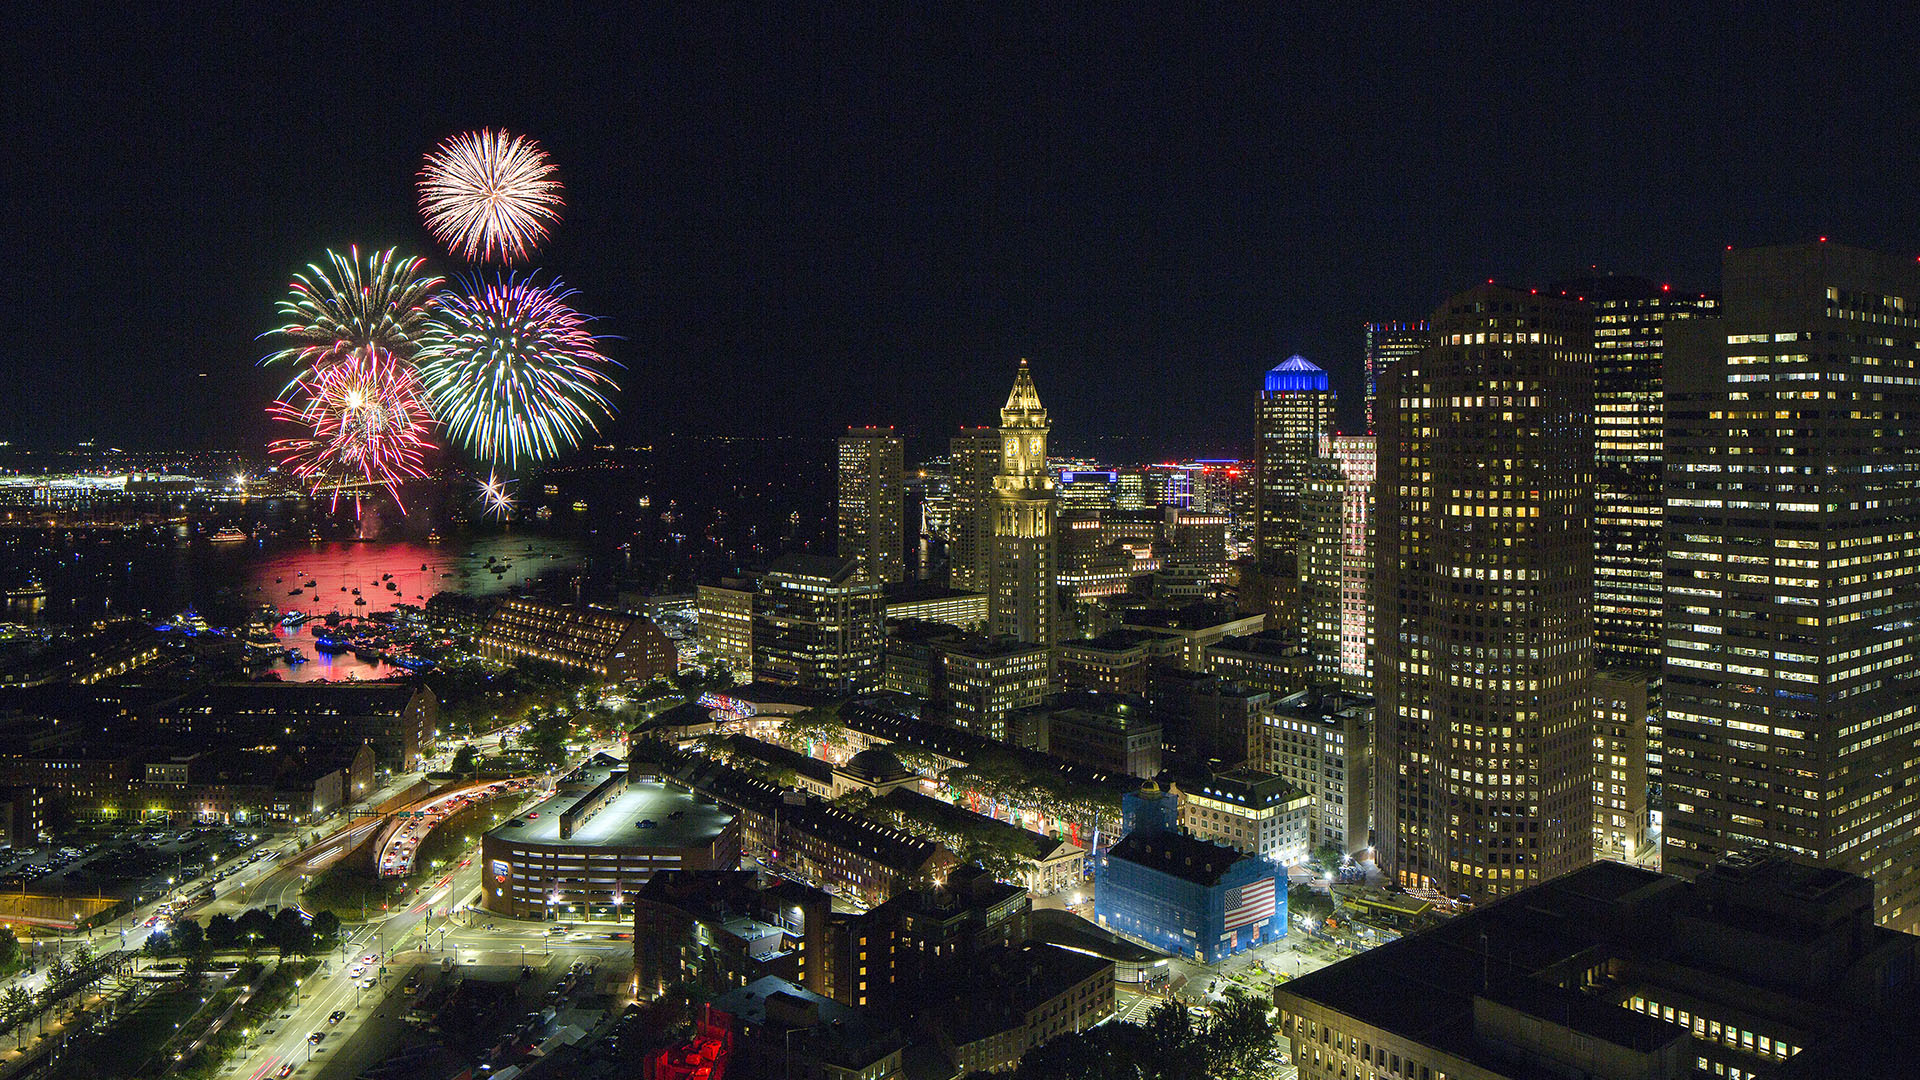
366 425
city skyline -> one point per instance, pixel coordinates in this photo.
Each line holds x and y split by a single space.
923 544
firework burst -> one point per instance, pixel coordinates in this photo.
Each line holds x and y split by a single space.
489 195
380 304
513 372
496 496
366 424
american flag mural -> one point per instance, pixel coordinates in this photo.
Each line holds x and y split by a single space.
1248 904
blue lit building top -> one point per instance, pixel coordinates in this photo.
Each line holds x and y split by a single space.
1296 375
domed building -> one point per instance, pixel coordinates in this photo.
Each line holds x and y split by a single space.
873 769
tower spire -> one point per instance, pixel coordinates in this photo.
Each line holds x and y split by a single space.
1023 398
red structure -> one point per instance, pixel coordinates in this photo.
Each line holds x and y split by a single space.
703 1057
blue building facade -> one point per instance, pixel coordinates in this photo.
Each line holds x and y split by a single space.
1184 895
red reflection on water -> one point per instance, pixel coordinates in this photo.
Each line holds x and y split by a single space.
359 579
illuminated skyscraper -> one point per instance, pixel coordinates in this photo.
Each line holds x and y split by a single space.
871 486
1023 576
1387 344
1483 598
1336 563
1793 570
1630 317
1296 408
974 459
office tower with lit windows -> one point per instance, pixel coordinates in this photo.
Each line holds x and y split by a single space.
1792 596
818 625
1336 563
1630 318
1296 409
871 486
1619 765
974 460
1483 598
1022 571
1387 344
724 618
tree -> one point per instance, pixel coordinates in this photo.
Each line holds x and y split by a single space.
291 933
253 928
16 1007
9 949
1241 1035
326 927
221 932
187 937
58 971
466 760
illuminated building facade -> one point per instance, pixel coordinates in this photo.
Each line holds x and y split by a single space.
871 488
605 643
1619 765
1336 563
818 624
1020 595
974 460
1296 409
1323 744
585 850
977 683
1483 596
1630 317
1388 343
1793 570
1250 811
724 621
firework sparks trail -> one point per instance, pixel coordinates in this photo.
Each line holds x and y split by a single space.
367 425
489 195
496 496
513 372
330 313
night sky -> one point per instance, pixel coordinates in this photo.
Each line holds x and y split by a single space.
798 221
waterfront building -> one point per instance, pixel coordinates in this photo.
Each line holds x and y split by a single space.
1792 597
597 641
723 619
1483 598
